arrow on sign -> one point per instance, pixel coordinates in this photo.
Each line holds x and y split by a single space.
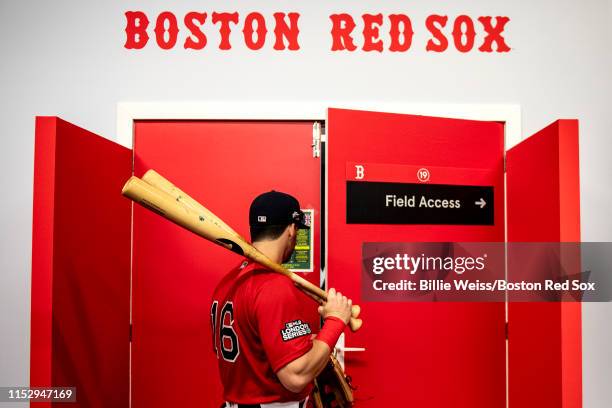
481 203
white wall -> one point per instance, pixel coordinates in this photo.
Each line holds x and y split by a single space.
67 58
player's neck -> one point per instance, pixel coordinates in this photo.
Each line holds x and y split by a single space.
272 249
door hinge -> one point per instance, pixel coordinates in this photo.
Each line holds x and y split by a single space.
130 334
506 330
316 139
505 162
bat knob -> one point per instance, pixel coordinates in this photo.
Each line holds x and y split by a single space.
355 310
355 324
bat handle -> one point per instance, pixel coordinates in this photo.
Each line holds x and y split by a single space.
318 294
354 323
355 309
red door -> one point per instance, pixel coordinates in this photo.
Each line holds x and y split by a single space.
224 165
80 265
417 354
545 342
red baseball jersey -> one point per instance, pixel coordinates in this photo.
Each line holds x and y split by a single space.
259 325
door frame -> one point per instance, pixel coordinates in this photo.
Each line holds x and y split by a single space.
129 112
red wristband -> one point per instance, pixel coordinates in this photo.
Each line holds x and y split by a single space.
331 331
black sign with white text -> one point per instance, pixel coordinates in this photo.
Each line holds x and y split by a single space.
407 203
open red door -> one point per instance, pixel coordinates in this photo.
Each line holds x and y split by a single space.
80 265
544 342
224 165
417 354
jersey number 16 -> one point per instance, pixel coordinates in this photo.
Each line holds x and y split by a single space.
228 340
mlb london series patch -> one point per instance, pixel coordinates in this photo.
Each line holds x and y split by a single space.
295 329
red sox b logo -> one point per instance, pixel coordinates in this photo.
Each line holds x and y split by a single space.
359 172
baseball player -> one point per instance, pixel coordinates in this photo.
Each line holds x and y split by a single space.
266 353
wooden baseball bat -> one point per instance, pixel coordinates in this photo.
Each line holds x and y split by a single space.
199 223
157 180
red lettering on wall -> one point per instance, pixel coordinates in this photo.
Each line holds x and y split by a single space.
200 37
342 27
371 32
136 30
464 26
289 31
225 30
434 24
286 31
494 34
248 31
401 39
161 30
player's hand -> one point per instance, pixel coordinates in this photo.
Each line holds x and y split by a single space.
337 305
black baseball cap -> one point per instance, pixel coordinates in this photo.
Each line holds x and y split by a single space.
276 208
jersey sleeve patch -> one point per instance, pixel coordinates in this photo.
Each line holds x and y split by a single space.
280 319
295 329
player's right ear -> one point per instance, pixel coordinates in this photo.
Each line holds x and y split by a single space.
291 230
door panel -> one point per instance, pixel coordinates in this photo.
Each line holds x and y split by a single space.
80 265
544 347
224 165
417 354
